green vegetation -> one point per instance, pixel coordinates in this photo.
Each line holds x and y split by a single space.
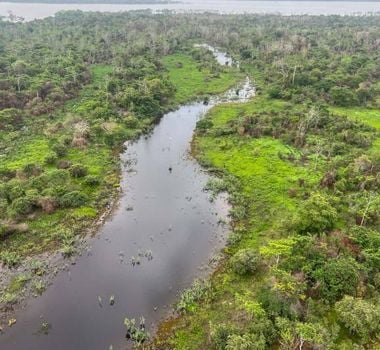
64 119
194 76
294 251
300 162
301 268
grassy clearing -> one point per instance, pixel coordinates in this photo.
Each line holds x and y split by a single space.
191 81
367 116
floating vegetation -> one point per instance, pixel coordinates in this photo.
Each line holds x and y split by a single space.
11 322
44 328
135 261
136 333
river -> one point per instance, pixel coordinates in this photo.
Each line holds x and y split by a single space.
31 11
164 223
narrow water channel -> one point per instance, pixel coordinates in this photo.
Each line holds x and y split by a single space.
164 223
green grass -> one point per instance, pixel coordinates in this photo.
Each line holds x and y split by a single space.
367 116
33 150
190 82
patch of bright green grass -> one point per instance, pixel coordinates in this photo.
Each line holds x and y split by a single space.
33 150
191 82
367 116
85 212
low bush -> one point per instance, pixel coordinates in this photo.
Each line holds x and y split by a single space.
245 261
59 149
78 170
92 180
73 199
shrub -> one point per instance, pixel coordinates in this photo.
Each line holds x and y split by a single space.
50 158
32 170
274 304
245 342
59 149
245 261
50 179
13 189
131 121
343 96
275 91
92 180
73 199
337 278
204 124
361 317
21 206
316 215
219 335
78 170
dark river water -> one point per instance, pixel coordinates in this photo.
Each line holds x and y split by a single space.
164 220
34 11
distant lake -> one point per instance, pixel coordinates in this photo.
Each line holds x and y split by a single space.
34 11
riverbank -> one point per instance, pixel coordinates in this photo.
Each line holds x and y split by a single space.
33 275
248 287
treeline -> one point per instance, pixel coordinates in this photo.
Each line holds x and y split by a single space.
334 58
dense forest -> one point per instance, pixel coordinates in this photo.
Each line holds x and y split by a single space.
300 161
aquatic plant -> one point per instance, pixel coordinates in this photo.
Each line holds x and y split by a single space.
136 333
189 296
39 286
9 258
